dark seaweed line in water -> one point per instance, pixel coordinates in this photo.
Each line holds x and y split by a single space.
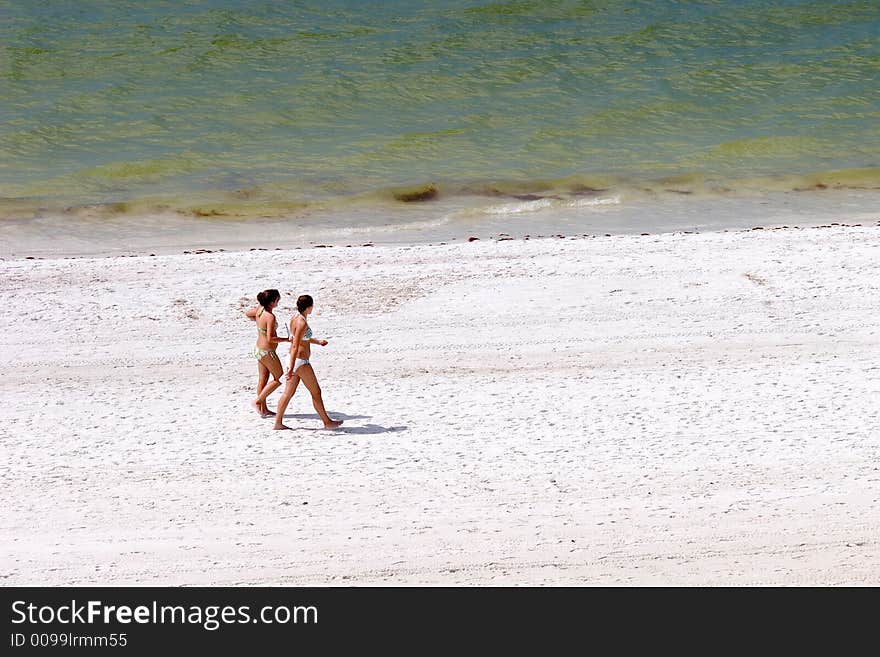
263 203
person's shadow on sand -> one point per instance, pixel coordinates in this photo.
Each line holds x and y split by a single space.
333 414
365 429
369 428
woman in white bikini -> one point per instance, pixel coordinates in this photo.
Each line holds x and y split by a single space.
301 342
264 351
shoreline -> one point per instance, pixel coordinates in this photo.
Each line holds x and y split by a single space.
500 237
665 409
429 223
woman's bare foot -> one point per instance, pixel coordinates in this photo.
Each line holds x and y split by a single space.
256 407
267 412
333 424
279 427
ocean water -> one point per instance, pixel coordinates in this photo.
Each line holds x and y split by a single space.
347 115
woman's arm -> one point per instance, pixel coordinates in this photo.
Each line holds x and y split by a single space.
323 343
270 332
251 313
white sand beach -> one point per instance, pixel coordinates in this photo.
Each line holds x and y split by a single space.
684 409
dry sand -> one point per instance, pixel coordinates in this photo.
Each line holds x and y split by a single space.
676 409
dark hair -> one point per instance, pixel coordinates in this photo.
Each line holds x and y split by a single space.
304 301
266 297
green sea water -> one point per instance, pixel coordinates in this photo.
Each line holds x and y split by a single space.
267 107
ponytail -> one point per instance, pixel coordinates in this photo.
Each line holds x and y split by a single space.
267 297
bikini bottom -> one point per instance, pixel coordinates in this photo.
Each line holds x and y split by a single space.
260 353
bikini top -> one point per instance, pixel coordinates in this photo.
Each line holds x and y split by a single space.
308 334
260 330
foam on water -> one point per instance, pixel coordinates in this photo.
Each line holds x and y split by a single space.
546 204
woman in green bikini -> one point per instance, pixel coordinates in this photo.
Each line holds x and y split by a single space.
300 369
264 351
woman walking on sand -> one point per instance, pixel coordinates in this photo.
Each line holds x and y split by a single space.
301 342
268 361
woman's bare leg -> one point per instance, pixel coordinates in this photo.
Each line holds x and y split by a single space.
286 396
261 383
274 366
307 374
